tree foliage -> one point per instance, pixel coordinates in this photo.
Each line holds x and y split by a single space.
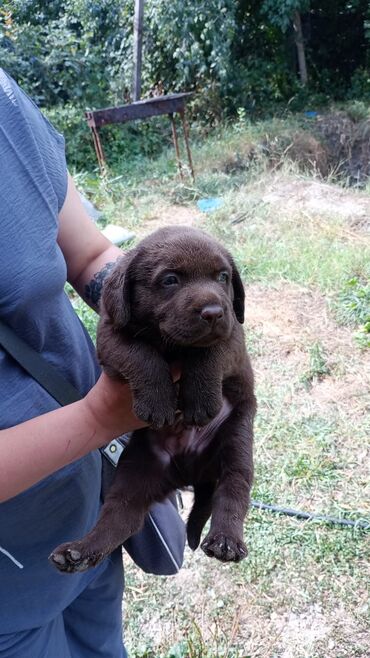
281 12
234 53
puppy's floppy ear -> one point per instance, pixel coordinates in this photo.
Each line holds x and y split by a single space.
116 293
239 295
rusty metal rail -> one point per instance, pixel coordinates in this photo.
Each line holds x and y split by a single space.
145 109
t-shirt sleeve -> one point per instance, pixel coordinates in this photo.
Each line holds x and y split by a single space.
38 144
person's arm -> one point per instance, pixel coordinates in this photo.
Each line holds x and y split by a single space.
38 447
89 255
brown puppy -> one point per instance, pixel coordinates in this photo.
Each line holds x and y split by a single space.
177 296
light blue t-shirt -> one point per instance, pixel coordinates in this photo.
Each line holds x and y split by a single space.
64 506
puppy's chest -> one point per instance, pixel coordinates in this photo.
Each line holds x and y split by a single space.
171 442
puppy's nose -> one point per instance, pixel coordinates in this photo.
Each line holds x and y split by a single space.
211 313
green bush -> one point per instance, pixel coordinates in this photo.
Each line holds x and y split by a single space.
360 85
119 142
70 121
258 86
232 54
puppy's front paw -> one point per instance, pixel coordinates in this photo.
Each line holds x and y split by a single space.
74 558
155 410
199 410
224 547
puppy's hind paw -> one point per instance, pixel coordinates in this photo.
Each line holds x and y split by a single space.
69 559
224 548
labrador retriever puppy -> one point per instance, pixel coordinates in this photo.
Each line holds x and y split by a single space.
177 296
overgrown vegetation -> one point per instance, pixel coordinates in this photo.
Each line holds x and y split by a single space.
71 55
239 54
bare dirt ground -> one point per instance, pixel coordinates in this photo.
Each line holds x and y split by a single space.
170 215
289 318
314 196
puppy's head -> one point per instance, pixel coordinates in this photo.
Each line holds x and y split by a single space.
178 283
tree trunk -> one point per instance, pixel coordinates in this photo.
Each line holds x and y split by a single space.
298 37
138 46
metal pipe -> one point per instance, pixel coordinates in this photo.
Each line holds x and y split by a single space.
176 144
186 135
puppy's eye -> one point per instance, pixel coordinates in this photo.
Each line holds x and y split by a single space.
170 280
223 277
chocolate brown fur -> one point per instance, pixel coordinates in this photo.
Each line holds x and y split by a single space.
177 296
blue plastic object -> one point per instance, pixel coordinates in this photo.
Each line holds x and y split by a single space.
310 114
210 204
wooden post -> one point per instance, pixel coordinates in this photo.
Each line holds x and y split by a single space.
138 47
299 42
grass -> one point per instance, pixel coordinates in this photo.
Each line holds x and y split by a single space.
318 365
301 593
353 307
273 244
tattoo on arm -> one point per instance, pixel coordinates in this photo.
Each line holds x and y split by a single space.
94 288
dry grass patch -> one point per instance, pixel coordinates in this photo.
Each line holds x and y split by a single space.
314 198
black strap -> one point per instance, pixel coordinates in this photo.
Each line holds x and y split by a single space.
50 379
33 363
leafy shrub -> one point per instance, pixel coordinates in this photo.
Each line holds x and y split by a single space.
232 54
64 51
360 85
119 142
70 121
258 85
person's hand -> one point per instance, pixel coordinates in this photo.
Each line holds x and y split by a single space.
109 403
